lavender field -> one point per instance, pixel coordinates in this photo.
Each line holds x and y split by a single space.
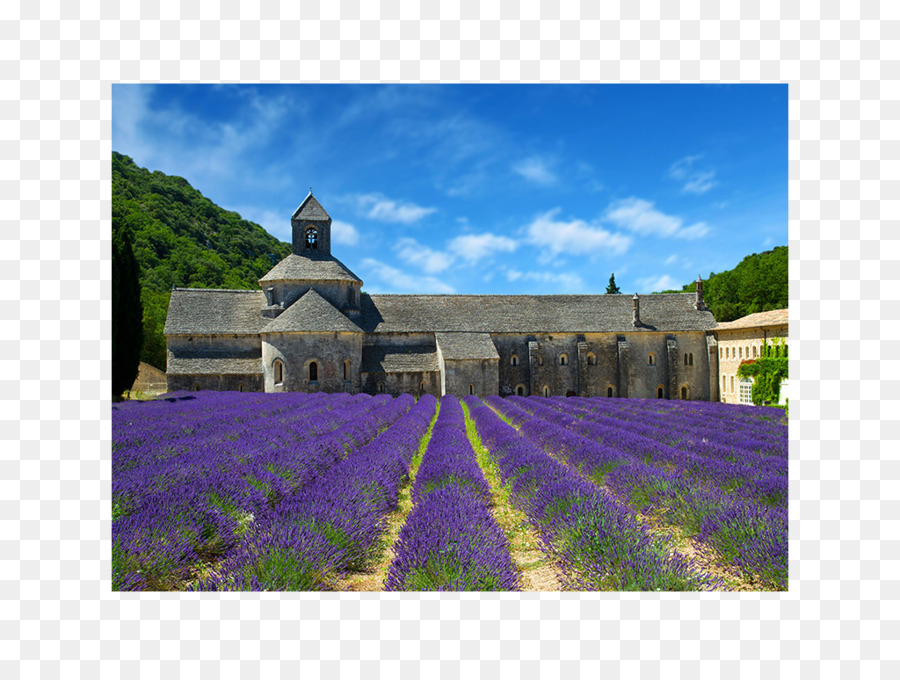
238 491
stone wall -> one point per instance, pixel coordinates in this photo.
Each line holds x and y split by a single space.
235 383
479 374
297 350
400 383
336 292
218 343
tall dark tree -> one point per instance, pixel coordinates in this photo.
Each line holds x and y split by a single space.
127 313
612 288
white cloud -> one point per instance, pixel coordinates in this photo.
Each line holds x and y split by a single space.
695 181
395 281
475 247
378 207
344 233
639 216
564 281
430 261
657 283
535 170
672 259
575 237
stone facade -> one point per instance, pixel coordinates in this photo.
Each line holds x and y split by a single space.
742 340
311 329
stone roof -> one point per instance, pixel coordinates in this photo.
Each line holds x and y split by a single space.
668 312
207 362
311 314
311 210
206 310
399 359
774 317
456 346
310 268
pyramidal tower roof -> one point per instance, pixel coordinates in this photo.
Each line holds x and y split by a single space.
310 210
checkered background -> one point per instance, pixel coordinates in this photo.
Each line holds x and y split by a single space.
59 617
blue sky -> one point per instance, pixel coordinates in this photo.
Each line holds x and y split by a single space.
487 188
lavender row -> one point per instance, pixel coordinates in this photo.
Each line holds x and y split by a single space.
594 537
173 515
674 422
755 477
450 540
331 526
748 534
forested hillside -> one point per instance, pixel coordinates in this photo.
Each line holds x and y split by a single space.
182 238
757 284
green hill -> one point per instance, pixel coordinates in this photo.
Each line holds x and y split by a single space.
181 238
757 284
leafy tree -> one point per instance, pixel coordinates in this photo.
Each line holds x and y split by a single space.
181 238
612 288
758 283
127 327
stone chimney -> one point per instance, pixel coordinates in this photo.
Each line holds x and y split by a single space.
636 320
699 305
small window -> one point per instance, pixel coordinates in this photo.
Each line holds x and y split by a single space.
520 390
381 388
754 351
540 361
240 387
609 391
732 384
660 392
592 359
546 391
721 353
312 239
685 360
514 360
723 384
740 352
279 372
196 387
744 388
651 360
563 360
422 387
690 359
684 392
346 370
313 371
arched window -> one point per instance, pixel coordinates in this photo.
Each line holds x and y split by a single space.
546 391
754 351
721 353
660 392
422 387
312 239
313 371
609 391
514 360
592 359
732 384
346 370
520 390
381 388
196 387
240 387
685 359
690 359
684 392
740 352
278 369
651 360
540 361
563 360
723 383
471 388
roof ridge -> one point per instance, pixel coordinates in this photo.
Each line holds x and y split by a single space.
221 290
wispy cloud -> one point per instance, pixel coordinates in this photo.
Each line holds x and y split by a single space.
575 237
535 170
640 217
696 181
428 260
344 233
564 281
654 284
390 280
475 247
383 209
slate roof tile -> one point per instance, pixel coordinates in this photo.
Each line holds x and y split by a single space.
399 359
313 314
309 268
202 310
456 346
774 317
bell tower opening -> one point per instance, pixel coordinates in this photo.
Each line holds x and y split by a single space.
312 239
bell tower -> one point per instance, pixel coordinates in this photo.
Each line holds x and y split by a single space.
311 227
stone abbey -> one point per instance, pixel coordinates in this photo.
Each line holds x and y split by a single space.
311 329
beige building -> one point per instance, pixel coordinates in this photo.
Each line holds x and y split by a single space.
742 340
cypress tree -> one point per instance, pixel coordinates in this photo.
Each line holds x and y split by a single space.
127 313
612 288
